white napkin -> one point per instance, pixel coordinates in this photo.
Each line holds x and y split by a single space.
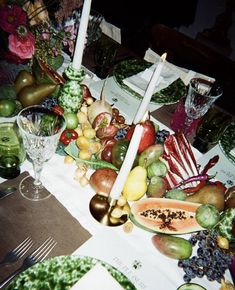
111 30
140 81
185 74
98 278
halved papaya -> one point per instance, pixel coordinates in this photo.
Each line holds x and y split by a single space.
162 215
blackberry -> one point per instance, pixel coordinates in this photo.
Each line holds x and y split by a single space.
121 134
49 103
161 136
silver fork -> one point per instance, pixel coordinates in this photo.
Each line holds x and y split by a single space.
18 252
36 256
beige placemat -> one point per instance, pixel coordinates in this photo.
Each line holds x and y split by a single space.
20 218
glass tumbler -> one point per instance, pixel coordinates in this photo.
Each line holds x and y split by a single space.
211 128
12 152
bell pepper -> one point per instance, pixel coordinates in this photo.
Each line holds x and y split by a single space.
119 150
68 135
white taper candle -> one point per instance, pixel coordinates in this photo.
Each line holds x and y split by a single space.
81 37
149 91
127 163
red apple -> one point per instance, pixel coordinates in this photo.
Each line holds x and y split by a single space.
148 135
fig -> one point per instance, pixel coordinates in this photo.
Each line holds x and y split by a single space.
172 247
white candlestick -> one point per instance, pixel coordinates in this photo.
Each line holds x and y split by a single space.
149 91
81 37
127 163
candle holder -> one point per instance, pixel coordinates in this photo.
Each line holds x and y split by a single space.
101 208
71 93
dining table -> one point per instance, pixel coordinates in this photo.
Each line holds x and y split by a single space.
66 217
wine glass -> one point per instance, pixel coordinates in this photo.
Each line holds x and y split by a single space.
40 129
201 95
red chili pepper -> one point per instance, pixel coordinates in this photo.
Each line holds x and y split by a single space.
58 110
210 164
68 135
194 188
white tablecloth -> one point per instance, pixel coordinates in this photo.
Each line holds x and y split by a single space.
111 244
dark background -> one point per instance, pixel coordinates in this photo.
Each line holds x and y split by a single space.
203 53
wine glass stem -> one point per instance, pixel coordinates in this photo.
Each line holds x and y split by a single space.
37 166
187 123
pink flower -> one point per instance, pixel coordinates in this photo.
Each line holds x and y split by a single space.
11 17
23 47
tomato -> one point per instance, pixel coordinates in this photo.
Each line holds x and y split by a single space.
7 107
71 120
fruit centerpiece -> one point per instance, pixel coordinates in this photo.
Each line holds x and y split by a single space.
166 191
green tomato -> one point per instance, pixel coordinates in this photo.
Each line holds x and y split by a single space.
71 120
7 107
157 168
207 215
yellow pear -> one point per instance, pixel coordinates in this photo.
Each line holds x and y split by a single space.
136 184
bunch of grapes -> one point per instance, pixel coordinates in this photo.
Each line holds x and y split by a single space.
161 136
211 261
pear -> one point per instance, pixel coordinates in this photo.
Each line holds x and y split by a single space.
23 79
35 94
136 184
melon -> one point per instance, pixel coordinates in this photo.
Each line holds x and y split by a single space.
163 215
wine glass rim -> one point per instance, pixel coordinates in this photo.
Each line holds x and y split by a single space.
45 109
208 83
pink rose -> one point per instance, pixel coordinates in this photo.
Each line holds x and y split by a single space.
11 17
24 47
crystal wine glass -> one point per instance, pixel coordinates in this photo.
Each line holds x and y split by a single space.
201 95
40 129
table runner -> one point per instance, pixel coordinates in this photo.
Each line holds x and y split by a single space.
20 218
